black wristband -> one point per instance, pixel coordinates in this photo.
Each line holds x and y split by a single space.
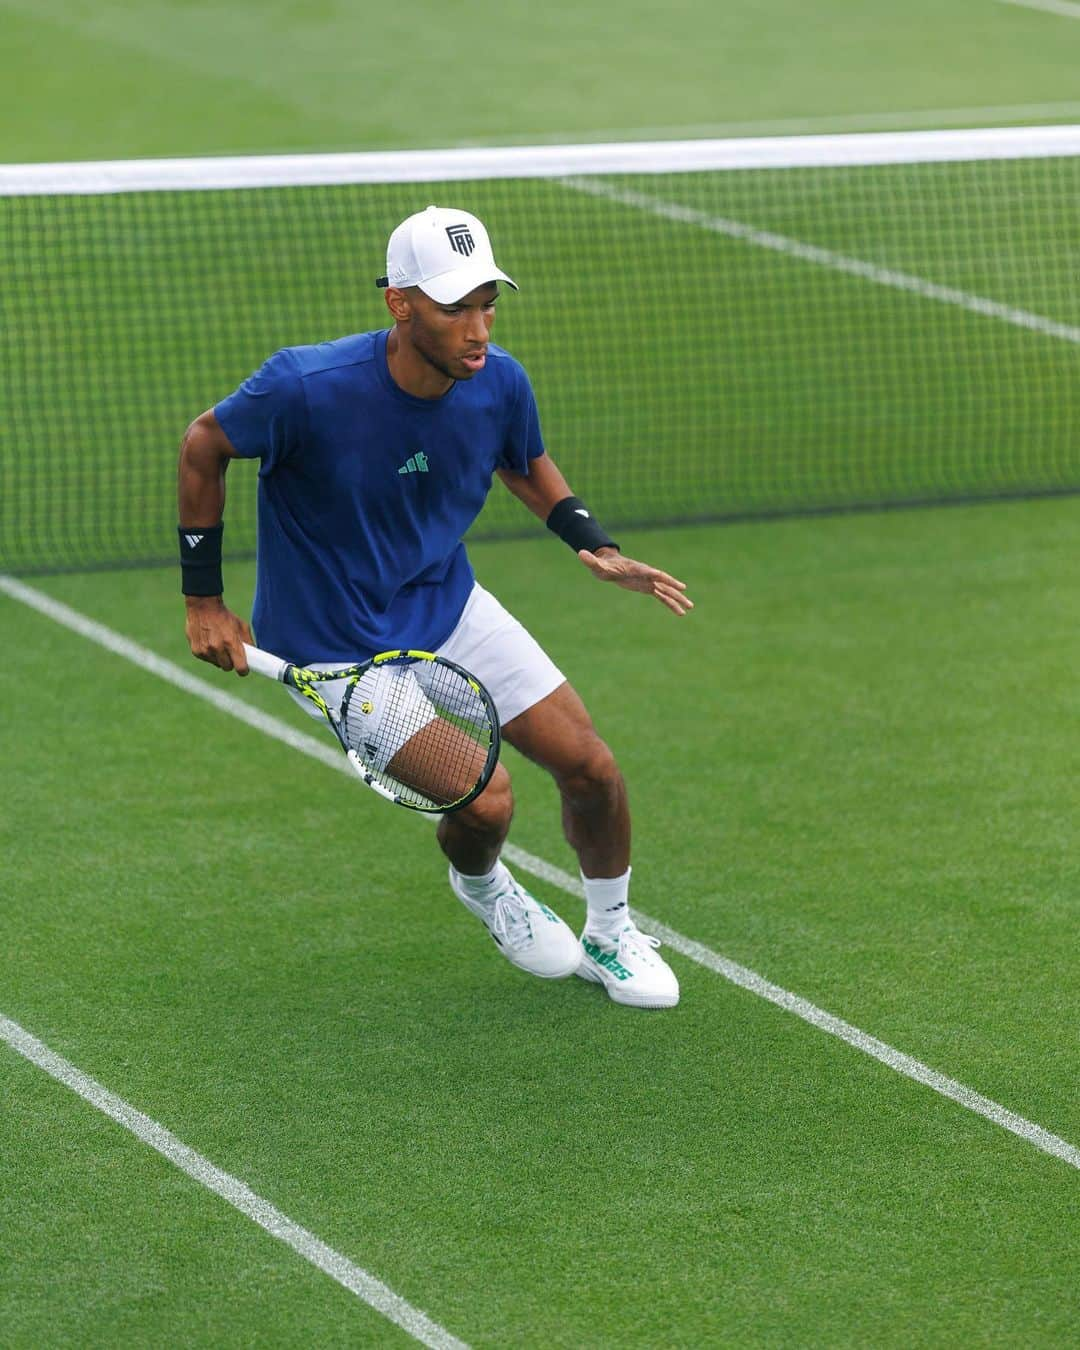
200 559
572 521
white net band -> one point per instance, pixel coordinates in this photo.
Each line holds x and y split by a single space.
539 161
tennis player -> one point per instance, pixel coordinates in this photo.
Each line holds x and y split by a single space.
376 454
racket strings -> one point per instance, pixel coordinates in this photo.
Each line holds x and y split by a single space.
422 730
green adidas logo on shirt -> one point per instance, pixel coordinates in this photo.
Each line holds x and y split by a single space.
415 463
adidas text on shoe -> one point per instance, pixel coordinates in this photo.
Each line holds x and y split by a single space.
629 968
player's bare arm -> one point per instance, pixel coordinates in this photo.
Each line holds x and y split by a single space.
544 487
214 633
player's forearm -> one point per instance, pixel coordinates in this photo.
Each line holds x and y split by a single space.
541 488
547 494
204 457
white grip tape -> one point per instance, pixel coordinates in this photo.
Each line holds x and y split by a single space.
262 663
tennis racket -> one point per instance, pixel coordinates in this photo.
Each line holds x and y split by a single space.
417 729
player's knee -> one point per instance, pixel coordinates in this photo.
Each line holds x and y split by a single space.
594 775
490 813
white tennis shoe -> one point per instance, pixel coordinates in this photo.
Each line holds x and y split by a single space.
629 968
528 934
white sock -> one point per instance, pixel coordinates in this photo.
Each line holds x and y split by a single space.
607 903
482 887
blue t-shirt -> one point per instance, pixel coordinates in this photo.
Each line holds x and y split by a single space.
365 493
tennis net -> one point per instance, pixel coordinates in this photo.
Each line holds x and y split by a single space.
714 329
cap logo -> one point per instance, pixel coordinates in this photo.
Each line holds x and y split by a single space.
461 240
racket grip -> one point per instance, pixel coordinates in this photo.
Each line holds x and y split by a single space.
262 663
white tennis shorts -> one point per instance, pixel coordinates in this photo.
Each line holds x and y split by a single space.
488 642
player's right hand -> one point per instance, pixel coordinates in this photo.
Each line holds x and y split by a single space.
216 634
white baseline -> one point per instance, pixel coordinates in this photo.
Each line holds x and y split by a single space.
366 1287
935 119
1066 8
826 257
742 976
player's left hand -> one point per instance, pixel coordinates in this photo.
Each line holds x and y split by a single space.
610 565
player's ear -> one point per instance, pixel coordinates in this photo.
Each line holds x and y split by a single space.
399 302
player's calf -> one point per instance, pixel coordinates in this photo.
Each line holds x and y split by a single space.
595 812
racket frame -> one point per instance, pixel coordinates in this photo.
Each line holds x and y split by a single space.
306 681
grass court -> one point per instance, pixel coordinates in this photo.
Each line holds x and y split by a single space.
853 770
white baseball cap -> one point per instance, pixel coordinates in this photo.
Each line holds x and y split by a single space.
446 253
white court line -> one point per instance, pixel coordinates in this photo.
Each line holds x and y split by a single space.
366 1287
932 118
1066 8
694 951
358 1281
817 1017
826 257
